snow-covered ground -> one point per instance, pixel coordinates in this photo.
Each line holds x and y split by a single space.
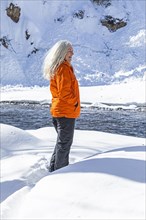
121 93
106 176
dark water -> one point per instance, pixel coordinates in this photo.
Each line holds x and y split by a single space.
35 115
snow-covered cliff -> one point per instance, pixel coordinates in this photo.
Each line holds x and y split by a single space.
108 37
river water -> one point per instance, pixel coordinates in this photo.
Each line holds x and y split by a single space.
27 115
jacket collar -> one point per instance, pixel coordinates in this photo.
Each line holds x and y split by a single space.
66 63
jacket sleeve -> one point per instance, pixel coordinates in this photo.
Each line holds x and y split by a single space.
65 85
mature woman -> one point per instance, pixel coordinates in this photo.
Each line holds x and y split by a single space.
65 106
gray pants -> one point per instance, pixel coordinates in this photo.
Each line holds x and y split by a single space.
65 131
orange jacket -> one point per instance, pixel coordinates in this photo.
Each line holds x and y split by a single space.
65 92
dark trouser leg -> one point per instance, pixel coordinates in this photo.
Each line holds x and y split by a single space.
65 131
52 161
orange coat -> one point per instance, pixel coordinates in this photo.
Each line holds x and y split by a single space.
65 92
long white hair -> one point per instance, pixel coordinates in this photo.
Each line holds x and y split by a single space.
54 58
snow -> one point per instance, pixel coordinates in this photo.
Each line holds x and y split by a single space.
104 180
138 40
121 93
99 53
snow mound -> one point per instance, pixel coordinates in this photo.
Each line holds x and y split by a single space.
14 139
90 189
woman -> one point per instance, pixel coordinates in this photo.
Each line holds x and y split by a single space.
65 107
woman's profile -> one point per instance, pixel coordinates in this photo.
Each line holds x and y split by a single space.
65 106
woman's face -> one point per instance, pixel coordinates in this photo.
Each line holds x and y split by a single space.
69 54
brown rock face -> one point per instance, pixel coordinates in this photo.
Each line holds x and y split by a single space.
13 12
104 3
113 23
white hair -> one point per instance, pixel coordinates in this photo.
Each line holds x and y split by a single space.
55 57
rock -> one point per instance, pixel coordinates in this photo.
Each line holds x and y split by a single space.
13 12
113 23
